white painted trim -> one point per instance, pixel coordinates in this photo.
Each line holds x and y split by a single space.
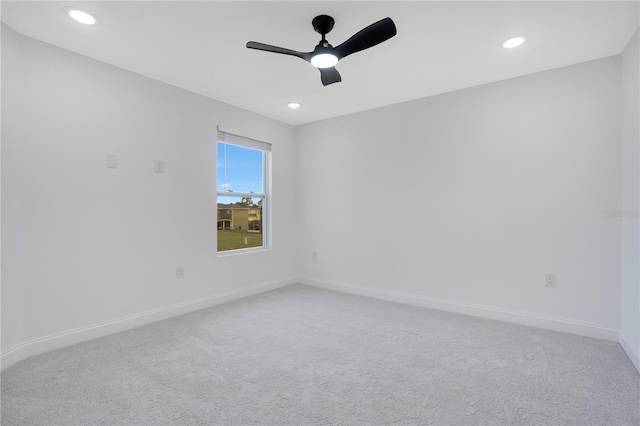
71 337
236 252
56 341
523 318
633 356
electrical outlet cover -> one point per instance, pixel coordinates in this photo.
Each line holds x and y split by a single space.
550 280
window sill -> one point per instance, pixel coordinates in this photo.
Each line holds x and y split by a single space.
228 253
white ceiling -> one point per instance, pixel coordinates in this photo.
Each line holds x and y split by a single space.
440 46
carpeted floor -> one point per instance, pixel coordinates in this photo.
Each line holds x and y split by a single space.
301 356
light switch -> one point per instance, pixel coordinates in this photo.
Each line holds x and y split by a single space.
112 161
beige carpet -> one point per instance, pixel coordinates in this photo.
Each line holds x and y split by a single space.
305 356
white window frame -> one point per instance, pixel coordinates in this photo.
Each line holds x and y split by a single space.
231 137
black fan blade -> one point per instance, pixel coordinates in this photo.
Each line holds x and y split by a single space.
276 49
374 34
329 76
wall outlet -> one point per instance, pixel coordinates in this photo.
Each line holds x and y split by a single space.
180 272
159 166
314 255
550 280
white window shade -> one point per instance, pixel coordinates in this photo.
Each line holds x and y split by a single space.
226 136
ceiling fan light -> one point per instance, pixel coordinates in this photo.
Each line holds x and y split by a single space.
324 60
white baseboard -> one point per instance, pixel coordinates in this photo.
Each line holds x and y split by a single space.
523 318
633 355
45 344
67 338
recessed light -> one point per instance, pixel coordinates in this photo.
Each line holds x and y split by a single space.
294 105
513 42
82 17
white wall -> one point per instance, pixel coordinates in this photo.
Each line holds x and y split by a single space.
630 333
12 260
467 199
84 244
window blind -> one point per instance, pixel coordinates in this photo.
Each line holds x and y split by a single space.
226 136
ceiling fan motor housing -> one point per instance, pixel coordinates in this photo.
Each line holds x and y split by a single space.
323 24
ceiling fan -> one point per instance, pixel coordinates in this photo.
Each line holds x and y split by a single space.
325 56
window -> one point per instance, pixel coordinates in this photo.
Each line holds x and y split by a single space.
242 192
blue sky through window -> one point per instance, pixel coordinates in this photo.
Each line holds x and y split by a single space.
239 169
